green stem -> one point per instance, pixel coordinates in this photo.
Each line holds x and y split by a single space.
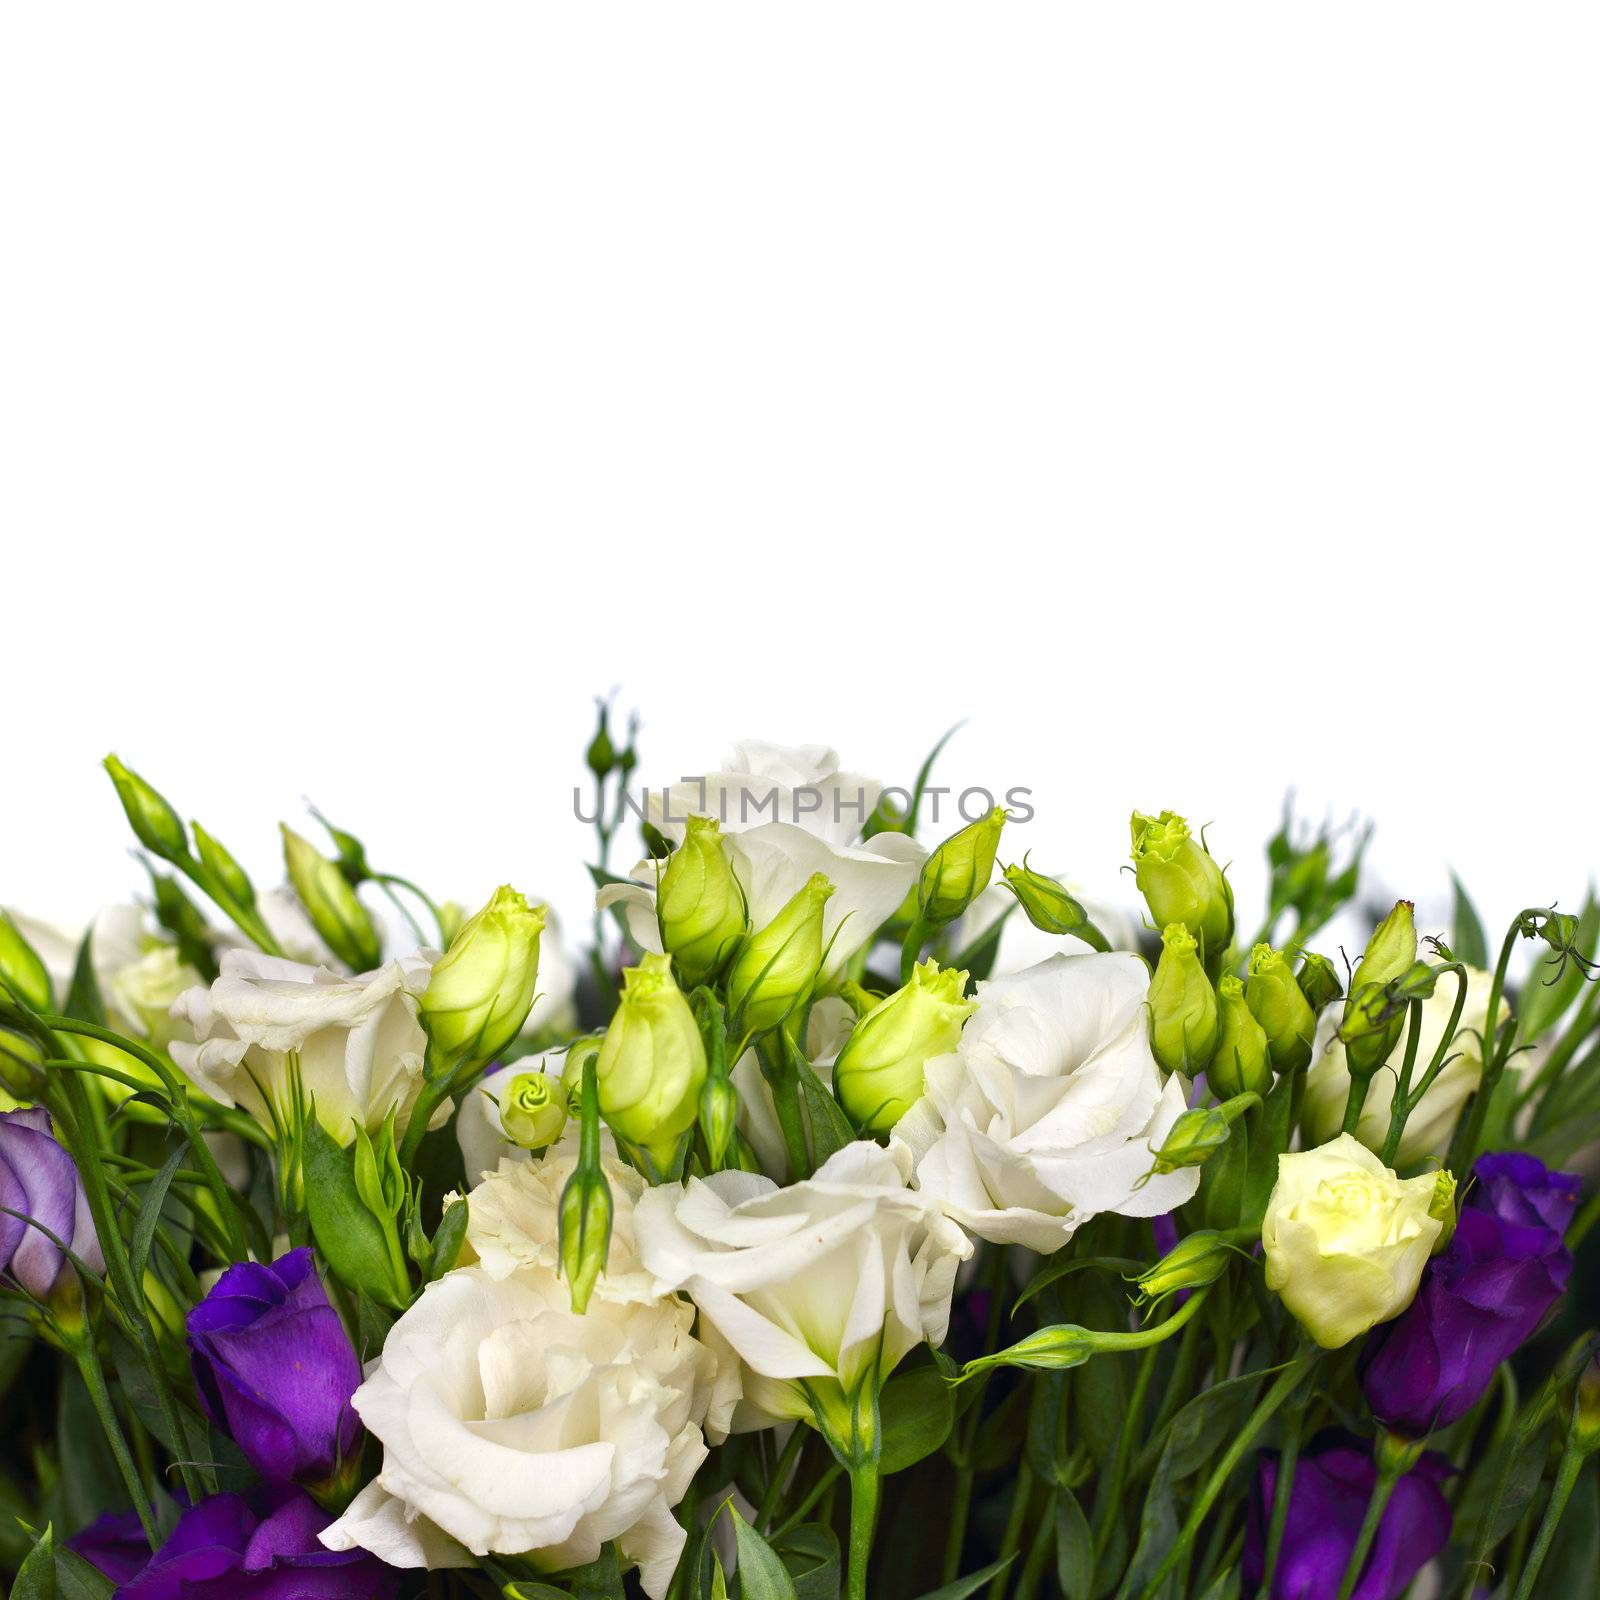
963 1454
1572 1458
1283 1386
1282 1488
1469 1135
1377 1501
784 1081
1021 1494
1110 1506
780 1471
1044 1535
863 1519
94 1380
182 1113
800 1512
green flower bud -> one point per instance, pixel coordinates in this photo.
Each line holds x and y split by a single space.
1443 1208
1197 1135
452 914
1183 1005
352 853
719 1112
21 969
601 756
776 967
156 825
533 1110
585 1232
959 870
1049 907
1196 1260
1241 1064
230 876
1181 881
878 1076
699 906
652 1063
1373 1019
1277 1002
482 988
1319 982
335 912
859 998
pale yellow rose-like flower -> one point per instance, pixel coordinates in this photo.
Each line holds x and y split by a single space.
1345 1239
1429 1128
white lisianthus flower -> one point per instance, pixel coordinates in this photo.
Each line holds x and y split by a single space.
269 1031
510 1426
1050 1111
814 1285
785 814
1345 1239
144 991
1429 1128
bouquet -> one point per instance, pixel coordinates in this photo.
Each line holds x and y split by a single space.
861 1211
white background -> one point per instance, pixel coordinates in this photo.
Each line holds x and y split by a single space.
1201 399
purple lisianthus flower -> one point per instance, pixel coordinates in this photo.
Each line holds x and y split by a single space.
261 1546
1479 1300
115 1544
274 1366
38 1180
1327 1504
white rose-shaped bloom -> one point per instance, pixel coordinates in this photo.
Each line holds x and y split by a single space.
1429 1128
143 991
1345 1239
268 1029
479 1130
1051 1110
786 814
511 1426
813 1285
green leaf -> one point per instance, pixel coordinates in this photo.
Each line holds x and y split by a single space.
762 1574
352 1240
1574 1558
971 1584
83 998
916 1411
37 1579
1074 1548
1270 1132
150 1204
447 1240
811 1554
77 1579
1468 942
1057 1268
1222 1178
830 1128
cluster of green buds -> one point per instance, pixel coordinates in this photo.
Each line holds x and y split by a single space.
1182 882
652 1063
777 966
482 988
879 1073
699 905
